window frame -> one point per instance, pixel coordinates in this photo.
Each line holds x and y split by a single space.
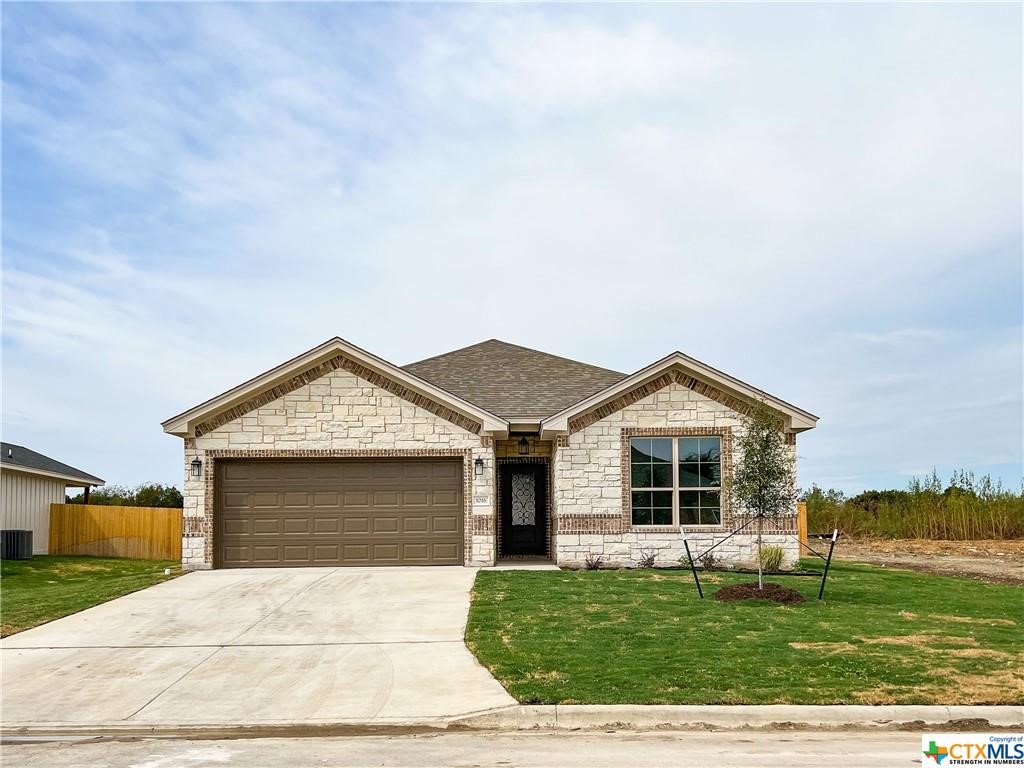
724 466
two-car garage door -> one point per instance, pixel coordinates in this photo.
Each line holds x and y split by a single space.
291 512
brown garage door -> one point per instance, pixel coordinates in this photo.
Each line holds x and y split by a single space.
339 512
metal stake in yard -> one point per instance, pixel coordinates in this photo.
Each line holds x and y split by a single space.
693 569
828 562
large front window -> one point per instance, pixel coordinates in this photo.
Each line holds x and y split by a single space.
676 480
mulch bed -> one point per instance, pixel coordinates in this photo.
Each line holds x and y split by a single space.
774 592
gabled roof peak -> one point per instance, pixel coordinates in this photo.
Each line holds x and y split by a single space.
514 381
797 418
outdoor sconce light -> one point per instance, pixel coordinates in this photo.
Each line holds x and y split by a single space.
478 467
524 446
197 468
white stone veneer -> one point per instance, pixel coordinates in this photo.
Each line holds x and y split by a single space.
339 412
588 481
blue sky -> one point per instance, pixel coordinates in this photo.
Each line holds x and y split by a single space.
823 200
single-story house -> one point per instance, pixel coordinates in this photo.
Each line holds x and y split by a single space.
29 483
494 451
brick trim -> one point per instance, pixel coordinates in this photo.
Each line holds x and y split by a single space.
786 524
205 526
193 526
483 525
725 433
589 524
654 385
322 369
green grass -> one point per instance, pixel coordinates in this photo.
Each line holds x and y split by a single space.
643 637
47 587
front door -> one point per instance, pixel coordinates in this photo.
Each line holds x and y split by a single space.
524 509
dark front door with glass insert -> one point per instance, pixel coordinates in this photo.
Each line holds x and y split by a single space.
524 509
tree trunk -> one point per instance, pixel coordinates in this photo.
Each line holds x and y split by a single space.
760 574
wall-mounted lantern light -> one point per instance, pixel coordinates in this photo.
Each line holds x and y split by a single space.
197 468
524 446
478 467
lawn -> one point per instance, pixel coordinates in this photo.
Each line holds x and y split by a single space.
47 587
881 636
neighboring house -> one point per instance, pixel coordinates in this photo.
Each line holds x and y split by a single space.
29 483
338 457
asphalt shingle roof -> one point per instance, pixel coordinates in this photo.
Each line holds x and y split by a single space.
15 456
512 381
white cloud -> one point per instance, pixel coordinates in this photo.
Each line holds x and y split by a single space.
238 183
526 65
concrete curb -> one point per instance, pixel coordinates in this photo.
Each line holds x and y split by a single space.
565 717
631 717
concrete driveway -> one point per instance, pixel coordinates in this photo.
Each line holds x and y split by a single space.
257 646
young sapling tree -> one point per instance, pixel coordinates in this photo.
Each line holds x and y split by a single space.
763 481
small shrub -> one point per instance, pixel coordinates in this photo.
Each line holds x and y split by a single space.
771 558
708 562
646 559
593 562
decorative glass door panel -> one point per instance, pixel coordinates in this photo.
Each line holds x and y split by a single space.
524 498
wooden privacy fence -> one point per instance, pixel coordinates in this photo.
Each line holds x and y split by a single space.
801 524
147 533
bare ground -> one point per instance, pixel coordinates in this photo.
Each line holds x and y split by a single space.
995 560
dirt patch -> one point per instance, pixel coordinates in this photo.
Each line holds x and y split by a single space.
996 560
977 653
919 641
552 675
909 616
953 687
774 592
973 620
842 647
915 641
66 569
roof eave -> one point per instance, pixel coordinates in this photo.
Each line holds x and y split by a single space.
75 480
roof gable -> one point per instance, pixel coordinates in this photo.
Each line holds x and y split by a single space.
22 459
675 368
488 387
512 381
331 355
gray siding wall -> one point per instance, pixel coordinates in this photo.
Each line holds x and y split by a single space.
25 503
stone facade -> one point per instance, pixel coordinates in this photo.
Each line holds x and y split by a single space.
338 414
591 484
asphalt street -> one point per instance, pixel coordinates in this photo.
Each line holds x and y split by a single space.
776 749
